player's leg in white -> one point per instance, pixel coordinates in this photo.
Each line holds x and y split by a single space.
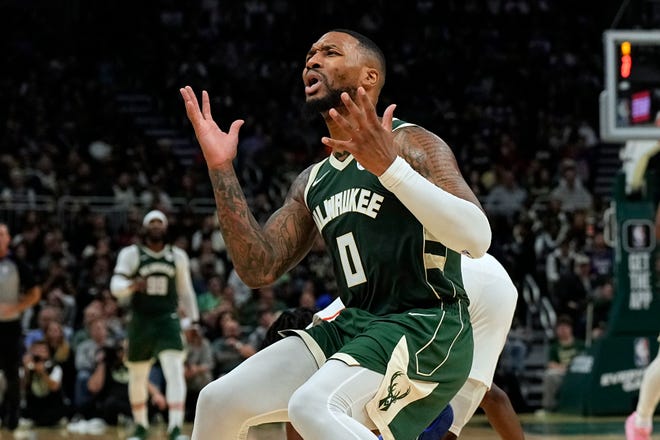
171 362
640 423
331 404
649 393
465 403
255 392
138 379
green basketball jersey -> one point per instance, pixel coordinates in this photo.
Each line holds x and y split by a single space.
160 274
385 261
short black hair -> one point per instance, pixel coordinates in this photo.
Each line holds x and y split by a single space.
565 319
297 318
368 44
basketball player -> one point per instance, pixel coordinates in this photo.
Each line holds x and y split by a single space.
156 277
493 299
639 424
395 214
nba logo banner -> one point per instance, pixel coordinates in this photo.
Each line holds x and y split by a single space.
642 352
639 235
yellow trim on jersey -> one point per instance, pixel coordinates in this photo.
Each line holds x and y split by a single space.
312 176
432 261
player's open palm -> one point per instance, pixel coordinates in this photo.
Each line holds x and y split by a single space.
371 140
219 147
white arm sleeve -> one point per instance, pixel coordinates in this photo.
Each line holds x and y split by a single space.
127 263
184 285
458 224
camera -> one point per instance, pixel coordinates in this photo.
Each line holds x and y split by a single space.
113 354
36 359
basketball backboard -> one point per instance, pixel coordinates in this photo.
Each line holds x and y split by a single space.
630 103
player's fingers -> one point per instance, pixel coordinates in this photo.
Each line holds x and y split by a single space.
235 127
337 144
353 108
368 111
206 105
191 96
344 123
388 116
192 110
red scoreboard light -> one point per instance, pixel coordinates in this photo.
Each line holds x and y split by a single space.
626 59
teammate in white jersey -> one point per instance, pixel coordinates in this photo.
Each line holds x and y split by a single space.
493 299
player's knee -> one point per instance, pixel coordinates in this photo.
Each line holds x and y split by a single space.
303 406
216 398
205 400
309 406
296 407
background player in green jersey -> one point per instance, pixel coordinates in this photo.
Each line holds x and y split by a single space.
403 346
155 277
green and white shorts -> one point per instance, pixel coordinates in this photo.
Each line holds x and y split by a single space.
424 354
149 335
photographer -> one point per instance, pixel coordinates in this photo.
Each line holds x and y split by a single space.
108 386
45 404
85 360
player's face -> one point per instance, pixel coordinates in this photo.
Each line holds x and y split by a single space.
333 65
156 230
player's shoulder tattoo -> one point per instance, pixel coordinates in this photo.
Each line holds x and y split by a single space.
297 189
426 152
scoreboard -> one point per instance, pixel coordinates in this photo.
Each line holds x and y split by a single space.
630 103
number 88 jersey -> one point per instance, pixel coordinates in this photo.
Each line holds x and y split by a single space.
159 272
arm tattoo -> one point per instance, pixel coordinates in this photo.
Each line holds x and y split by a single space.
432 158
261 255
239 227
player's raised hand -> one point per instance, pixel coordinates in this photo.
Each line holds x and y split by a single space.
371 140
219 147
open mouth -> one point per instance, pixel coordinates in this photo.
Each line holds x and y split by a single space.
312 84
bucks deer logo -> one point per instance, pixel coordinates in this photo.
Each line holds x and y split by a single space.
392 393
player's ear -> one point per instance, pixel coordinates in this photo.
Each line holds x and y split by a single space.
370 77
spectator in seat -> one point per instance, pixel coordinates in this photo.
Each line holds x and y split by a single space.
562 351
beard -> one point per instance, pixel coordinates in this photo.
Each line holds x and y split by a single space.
155 236
332 99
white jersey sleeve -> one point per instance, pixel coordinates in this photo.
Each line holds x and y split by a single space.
127 263
493 298
184 286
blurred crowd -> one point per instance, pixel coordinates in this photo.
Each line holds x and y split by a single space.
515 97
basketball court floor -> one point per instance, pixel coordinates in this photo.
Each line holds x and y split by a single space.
551 427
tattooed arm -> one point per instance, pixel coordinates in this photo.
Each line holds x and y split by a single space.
418 168
260 255
431 157
426 178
